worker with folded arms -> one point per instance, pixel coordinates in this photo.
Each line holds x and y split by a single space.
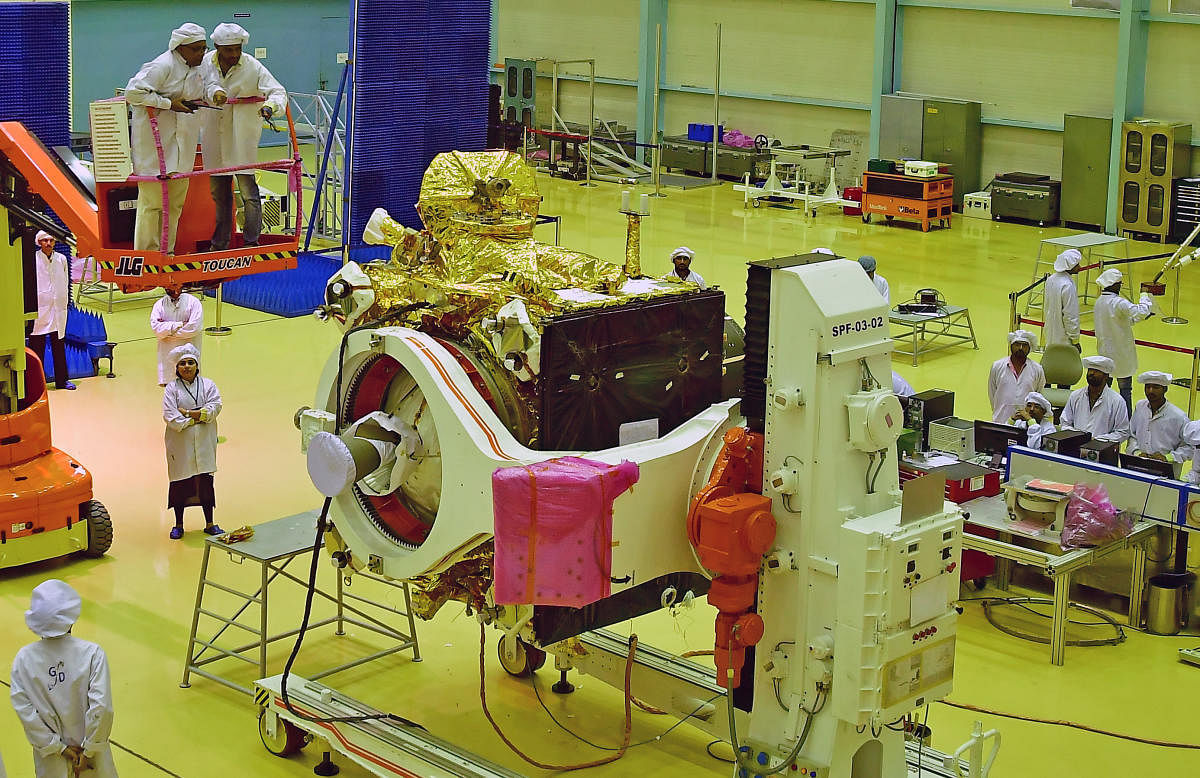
171 83
61 690
1060 301
177 318
1036 417
1114 318
1096 408
1014 377
681 258
230 136
868 265
191 404
1156 429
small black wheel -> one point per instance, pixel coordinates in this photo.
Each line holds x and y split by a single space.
527 659
288 739
814 213
99 528
1041 224
866 217
755 202
889 217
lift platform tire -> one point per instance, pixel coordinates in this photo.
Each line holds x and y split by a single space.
99 528
288 740
528 659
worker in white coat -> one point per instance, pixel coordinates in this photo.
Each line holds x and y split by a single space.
900 387
53 292
1096 408
868 265
171 83
1114 317
1191 436
1013 377
191 403
231 135
177 318
681 260
1156 428
1060 301
1036 417
61 692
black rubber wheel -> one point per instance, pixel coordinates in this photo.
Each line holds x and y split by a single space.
99 528
528 659
889 217
866 217
288 740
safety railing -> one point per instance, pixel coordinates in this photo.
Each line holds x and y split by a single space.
292 167
323 114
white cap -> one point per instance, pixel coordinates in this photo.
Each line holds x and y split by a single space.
1067 260
180 353
823 250
1103 364
53 609
683 251
43 234
1038 398
1022 335
188 32
1109 277
1155 377
227 34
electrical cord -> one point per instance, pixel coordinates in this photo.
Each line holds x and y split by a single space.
708 748
882 459
1072 725
1025 606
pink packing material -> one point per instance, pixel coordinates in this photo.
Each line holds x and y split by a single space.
553 530
1092 520
737 139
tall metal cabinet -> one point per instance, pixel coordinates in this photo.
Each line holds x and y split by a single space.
936 129
1087 143
1153 154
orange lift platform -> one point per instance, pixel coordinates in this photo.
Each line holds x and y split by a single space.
102 218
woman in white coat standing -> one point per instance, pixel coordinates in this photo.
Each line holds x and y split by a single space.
230 136
176 319
190 406
61 690
53 291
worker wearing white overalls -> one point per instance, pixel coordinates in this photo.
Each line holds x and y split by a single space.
165 83
230 136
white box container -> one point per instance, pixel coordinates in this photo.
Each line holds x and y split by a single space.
922 169
977 205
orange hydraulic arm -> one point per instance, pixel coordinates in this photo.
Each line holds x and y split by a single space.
47 180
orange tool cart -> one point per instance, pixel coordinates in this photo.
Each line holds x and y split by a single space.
918 198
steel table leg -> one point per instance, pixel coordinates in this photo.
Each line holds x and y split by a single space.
262 648
1058 629
187 662
1137 585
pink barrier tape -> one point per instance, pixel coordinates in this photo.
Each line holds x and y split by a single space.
1146 343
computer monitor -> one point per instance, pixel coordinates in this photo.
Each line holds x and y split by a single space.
994 439
1148 466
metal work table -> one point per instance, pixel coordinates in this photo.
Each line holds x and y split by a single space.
274 545
992 513
793 157
1085 243
951 322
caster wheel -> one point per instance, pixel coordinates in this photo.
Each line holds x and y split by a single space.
1041 224
889 218
525 660
866 217
814 214
755 202
287 740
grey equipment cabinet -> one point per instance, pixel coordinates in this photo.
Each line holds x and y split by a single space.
935 129
1087 144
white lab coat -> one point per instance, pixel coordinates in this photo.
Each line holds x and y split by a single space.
231 135
900 387
175 323
1108 419
191 445
61 693
1007 390
882 285
1114 319
165 77
1159 432
52 293
1061 308
1035 431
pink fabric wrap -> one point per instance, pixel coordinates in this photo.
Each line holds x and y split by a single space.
553 530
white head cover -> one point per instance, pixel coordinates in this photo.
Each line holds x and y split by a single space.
683 251
188 32
1191 433
1155 377
227 34
43 234
53 609
1022 335
823 250
180 353
1109 277
1036 397
1067 260
1103 364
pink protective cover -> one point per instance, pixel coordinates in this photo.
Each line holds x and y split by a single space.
553 530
